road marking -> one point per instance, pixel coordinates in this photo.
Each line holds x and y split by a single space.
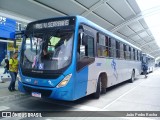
121 96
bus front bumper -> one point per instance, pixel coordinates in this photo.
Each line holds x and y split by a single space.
44 92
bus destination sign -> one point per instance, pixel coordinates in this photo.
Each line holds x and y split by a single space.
51 24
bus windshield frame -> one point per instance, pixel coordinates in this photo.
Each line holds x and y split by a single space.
59 38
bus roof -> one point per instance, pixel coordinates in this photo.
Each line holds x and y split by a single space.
88 22
148 55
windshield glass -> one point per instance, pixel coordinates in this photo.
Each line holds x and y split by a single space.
47 51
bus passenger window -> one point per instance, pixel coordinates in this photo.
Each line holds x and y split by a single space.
117 49
129 53
101 51
112 46
121 51
134 54
90 47
86 49
137 55
125 51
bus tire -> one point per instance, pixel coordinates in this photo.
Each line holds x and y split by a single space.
98 90
103 86
131 80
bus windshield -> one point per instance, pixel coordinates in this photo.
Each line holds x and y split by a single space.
47 51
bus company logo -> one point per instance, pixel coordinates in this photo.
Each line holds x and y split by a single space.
99 64
2 20
50 83
36 82
6 114
113 65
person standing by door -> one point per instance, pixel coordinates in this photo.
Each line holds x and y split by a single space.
13 70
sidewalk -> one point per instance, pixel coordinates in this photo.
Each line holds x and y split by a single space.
5 94
4 77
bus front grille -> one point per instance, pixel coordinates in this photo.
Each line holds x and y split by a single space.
44 93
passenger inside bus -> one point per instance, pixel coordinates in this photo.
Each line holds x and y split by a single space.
45 54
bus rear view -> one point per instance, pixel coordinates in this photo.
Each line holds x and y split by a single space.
46 67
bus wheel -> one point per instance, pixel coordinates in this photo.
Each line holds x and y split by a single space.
132 77
98 90
103 86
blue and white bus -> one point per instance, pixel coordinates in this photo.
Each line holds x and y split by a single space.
149 60
67 58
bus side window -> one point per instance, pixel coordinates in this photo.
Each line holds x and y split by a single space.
112 47
109 46
90 47
129 52
121 50
86 52
102 45
137 55
132 53
125 51
86 48
117 49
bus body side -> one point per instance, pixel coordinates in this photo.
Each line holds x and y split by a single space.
112 70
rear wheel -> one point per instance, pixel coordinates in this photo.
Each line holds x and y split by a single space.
103 86
132 77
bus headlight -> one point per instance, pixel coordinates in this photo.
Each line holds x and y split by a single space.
64 81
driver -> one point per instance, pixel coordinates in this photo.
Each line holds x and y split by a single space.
45 54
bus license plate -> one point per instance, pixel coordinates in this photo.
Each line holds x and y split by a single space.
36 94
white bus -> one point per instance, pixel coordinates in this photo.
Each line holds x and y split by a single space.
150 61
